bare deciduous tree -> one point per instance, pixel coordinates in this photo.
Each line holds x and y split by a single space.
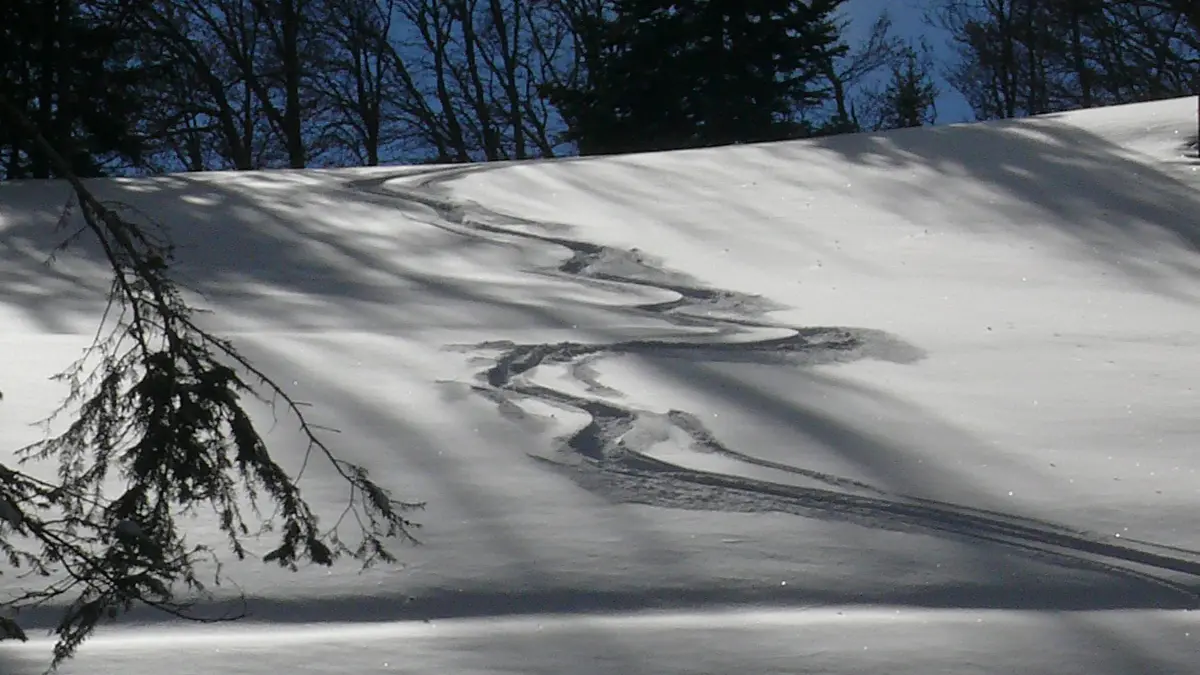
1023 57
483 62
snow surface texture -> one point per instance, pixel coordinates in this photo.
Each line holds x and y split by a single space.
917 402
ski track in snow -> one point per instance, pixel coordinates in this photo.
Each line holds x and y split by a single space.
605 458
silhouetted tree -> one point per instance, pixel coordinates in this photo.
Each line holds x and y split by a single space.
158 431
849 75
909 99
68 65
1025 57
669 74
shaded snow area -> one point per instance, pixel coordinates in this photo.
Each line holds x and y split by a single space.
917 402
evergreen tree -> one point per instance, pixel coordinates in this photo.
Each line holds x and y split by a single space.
908 100
156 431
694 73
68 65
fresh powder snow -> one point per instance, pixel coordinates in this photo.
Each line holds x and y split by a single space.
913 402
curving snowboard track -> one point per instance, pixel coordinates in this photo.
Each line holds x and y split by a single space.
607 458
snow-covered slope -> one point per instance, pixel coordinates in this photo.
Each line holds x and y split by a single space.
922 392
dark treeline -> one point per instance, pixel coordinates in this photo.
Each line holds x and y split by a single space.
148 86
1027 57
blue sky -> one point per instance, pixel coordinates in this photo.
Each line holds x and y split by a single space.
908 18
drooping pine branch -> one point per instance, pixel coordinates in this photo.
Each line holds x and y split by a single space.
159 430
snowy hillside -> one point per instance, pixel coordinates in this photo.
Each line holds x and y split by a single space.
917 402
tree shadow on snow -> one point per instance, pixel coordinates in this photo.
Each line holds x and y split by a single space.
1078 183
278 246
1119 208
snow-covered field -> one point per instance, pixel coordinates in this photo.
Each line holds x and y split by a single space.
917 402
